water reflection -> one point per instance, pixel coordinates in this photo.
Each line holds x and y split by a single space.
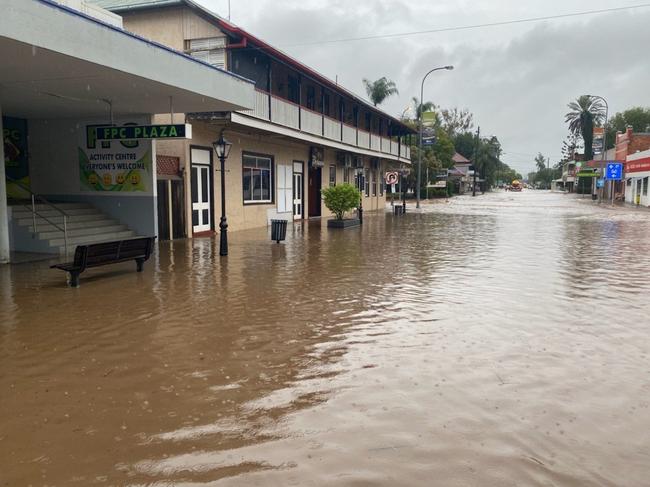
490 341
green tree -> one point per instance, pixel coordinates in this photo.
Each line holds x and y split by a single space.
636 117
540 162
585 113
456 121
341 198
380 89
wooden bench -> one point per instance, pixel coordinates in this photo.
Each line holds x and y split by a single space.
105 253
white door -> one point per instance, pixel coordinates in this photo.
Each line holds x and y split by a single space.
297 196
201 183
284 187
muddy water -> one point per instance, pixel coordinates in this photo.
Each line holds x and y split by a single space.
498 341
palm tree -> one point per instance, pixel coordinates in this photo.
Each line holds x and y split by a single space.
427 106
586 113
379 90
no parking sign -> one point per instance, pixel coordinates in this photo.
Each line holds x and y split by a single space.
392 177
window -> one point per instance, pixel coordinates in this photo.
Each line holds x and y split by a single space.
294 90
645 186
382 184
257 178
374 182
346 175
366 180
211 50
326 104
332 176
311 97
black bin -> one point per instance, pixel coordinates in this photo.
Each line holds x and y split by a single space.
278 230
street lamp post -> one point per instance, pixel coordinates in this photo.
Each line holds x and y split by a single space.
222 149
449 68
602 154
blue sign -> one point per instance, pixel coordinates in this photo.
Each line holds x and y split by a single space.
428 141
600 183
614 171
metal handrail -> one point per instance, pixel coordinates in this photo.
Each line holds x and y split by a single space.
42 199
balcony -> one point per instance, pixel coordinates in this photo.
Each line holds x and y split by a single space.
283 112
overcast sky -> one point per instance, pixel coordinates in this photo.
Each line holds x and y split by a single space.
516 79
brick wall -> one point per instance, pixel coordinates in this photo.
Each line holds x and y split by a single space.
167 165
629 143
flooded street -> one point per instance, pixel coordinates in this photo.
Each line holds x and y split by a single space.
497 341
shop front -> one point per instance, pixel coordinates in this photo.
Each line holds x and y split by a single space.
637 178
79 141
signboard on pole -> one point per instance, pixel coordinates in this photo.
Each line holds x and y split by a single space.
428 119
600 183
597 143
614 171
392 177
428 141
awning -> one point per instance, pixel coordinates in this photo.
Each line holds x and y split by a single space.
60 63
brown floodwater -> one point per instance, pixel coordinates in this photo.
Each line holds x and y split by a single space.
496 341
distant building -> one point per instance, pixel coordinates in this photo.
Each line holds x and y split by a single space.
631 149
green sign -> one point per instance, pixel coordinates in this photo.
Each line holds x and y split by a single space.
428 119
14 140
587 174
131 132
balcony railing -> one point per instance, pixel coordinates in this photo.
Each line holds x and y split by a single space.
283 112
311 122
364 139
349 134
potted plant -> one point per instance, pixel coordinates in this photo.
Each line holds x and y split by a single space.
339 200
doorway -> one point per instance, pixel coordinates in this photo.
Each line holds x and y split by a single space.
201 186
297 191
171 212
315 183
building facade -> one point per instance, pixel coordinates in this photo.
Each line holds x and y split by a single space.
60 184
305 132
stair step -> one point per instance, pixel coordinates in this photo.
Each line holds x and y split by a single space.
80 232
88 239
51 212
43 206
72 225
95 215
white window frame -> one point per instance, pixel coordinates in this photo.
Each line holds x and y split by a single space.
256 158
332 172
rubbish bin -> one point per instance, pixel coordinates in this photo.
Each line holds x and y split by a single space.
594 197
278 230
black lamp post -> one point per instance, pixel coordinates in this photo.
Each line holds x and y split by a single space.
222 149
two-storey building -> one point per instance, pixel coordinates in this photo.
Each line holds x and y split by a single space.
304 133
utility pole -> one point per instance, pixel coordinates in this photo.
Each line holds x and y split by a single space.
478 139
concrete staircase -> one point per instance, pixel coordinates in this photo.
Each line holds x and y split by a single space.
85 225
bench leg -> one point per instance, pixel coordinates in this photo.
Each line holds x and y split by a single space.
74 279
140 264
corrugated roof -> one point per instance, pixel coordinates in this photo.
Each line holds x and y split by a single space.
459 159
122 5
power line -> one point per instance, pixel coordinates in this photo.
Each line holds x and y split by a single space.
471 26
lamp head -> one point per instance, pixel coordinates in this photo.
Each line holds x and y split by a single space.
449 68
222 147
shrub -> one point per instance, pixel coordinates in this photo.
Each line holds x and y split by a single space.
341 198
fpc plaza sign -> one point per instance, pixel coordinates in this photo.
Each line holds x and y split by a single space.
134 132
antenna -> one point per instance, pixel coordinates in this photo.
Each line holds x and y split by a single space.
228 10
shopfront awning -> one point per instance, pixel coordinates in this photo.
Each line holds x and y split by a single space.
60 63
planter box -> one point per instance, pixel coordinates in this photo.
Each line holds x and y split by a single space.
345 223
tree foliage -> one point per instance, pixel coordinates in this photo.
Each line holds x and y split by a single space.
380 89
341 198
636 117
540 162
456 121
586 112
427 106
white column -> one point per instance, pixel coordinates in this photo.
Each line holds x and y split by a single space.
4 217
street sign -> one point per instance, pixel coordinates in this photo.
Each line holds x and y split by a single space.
392 177
600 183
428 141
578 164
614 171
